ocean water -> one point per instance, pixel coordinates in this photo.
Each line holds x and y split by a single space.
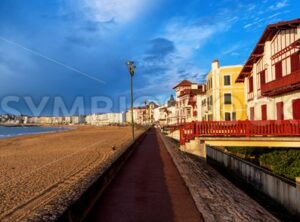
22 130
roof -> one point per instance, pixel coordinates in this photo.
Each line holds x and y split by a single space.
139 107
183 83
258 51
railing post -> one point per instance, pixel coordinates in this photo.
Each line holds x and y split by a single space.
247 128
181 136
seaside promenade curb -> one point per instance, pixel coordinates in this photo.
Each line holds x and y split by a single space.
216 198
79 209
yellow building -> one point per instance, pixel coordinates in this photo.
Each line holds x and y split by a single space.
225 98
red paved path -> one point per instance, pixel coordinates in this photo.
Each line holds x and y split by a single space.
148 188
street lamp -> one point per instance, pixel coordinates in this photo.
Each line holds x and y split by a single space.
131 69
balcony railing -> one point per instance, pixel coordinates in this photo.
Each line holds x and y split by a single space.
285 84
250 96
285 128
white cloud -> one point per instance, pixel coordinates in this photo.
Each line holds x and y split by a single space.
121 11
232 50
188 36
279 5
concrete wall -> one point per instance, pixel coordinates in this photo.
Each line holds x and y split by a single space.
174 134
280 189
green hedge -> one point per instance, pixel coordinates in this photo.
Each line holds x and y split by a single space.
284 162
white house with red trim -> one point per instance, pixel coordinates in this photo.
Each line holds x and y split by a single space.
189 97
272 74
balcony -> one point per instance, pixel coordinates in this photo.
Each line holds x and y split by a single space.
285 84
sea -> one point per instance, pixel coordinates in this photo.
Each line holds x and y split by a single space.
13 131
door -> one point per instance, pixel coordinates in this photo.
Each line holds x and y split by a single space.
296 109
279 109
252 113
264 112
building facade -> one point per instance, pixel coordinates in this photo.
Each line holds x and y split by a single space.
272 74
225 99
189 97
139 115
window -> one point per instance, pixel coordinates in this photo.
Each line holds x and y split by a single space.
234 116
279 108
278 70
227 116
227 98
250 89
227 80
264 112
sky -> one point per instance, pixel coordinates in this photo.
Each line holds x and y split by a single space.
64 51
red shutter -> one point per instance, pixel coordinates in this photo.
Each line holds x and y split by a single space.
296 109
280 112
252 113
264 112
251 84
295 62
278 70
262 77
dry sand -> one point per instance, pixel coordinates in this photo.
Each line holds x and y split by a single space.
41 174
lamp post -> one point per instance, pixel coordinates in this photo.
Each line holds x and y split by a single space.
131 69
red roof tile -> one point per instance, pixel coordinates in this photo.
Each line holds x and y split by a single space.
183 83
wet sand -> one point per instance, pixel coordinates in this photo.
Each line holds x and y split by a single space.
41 174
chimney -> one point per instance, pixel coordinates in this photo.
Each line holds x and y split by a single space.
215 64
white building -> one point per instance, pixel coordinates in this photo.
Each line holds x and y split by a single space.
272 74
106 119
189 98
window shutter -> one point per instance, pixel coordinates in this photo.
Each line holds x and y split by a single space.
262 77
251 84
296 109
278 70
295 62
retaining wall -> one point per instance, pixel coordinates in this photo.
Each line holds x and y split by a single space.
284 191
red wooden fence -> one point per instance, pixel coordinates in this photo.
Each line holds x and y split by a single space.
247 128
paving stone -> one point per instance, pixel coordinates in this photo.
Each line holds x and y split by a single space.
215 197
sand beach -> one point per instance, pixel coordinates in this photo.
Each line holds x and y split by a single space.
43 173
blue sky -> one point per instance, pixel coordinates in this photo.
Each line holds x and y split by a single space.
79 48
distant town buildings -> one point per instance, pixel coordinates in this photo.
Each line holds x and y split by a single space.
106 119
166 114
143 115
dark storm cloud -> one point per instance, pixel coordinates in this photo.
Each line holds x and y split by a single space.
159 48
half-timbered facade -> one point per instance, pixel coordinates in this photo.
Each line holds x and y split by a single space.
272 74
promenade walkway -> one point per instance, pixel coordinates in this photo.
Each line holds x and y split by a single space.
148 188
